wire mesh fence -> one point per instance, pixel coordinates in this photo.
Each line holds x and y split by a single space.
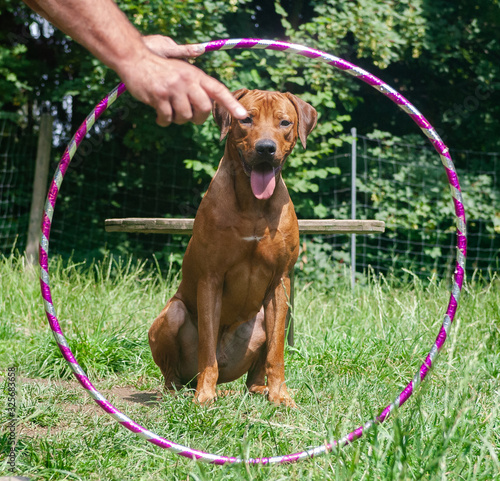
401 184
405 186
17 162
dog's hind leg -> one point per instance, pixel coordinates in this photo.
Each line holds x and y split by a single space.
256 378
170 332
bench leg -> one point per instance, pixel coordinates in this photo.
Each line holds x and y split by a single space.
289 318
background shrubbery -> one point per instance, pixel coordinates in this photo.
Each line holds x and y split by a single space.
441 55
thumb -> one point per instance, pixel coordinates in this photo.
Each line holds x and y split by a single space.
183 51
167 48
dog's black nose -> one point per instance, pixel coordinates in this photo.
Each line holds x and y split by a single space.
266 147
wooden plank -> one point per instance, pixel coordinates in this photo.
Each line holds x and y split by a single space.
185 226
336 226
149 225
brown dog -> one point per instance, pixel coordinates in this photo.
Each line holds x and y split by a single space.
228 316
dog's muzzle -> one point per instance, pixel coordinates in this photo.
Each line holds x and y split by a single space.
262 167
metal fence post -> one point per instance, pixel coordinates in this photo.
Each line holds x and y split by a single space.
353 204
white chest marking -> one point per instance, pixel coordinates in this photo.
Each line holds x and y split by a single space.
253 238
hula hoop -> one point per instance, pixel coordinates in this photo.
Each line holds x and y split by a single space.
420 375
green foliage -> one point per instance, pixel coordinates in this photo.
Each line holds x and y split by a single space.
10 84
382 31
415 202
454 80
187 21
442 55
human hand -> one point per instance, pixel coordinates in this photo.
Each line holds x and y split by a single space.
168 48
178 91
148 66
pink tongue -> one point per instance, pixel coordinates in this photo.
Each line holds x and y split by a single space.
263 183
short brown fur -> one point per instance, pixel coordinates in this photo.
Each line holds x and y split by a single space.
228 315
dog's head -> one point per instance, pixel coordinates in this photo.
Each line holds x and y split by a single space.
267 136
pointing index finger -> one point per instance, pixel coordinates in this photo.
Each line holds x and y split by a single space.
221 94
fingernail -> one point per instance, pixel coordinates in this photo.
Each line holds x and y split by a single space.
241 112
199 49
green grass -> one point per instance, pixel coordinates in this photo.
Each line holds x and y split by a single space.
354 352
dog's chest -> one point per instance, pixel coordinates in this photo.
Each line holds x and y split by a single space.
252 238
268 246
254 268
256 259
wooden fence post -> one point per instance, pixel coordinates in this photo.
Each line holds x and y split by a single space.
39 187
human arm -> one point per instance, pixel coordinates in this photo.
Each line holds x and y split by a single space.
178 91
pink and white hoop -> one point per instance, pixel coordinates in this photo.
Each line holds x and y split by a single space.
420 375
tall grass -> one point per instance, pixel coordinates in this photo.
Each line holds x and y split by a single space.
354 352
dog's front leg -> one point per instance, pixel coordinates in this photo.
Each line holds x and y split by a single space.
275 311
209 301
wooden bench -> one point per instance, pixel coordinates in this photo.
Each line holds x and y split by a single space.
140 225
306 226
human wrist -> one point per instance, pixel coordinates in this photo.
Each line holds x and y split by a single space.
128 56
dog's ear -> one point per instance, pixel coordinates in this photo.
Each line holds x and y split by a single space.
222 117
307 116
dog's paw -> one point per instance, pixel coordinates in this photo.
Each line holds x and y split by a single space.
258 389
204 398
282 398
276 398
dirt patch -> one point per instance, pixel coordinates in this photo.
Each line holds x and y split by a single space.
131 395
126 393
121 395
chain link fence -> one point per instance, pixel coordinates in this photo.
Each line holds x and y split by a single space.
404 185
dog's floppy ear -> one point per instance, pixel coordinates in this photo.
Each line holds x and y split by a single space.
222 117
307 116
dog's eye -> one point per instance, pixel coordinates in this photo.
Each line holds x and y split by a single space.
247 121
285 123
